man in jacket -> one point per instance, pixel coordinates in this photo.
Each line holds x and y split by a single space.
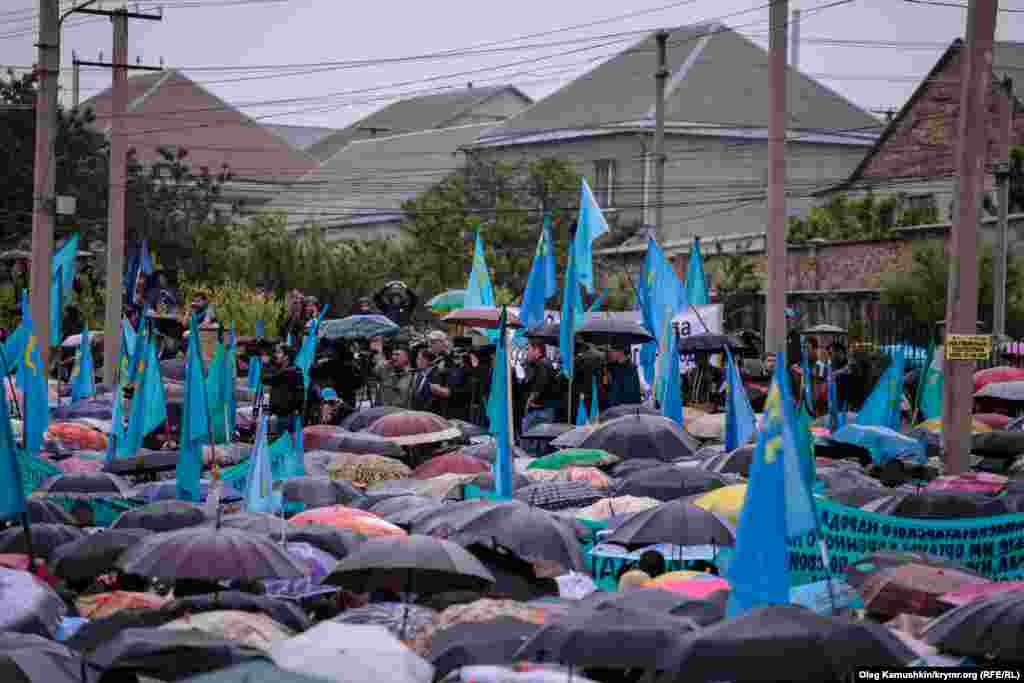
395 377
540 388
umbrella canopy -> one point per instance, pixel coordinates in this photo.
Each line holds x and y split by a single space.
146 462
320 491
548 430
361 419
616 507
251 630
734 462
167 655
986 629
337 542
693 585
627 409
86 485
938 505
976 592
45 538
529 532
427 564
168 491
1004 391
47 512
493 642
349 653
678 522
708 342
883 443
752 647
970 482
75 340
559 495
405 510
95 632
573 438
489 451
669 482
725 502
359 521
481 317
647 436
998 444
451 463
993 420
709 427
328 438
1001 373
935 426
252 522
358 327
253 671
628 467
612 331
163 515
908 583
591 475
102 605
365 469
413 428
574 456
285 612
31 658
446 302
209 553
27 605
90 556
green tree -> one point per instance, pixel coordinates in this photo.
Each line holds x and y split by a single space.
922 289
871 217
737 279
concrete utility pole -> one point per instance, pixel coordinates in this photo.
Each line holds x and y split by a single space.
795 59
118 180
1007 105
44 173
962 293
775 242
76 73
660 79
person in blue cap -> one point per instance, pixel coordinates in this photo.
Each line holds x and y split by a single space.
330 404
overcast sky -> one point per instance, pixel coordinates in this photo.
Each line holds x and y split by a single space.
897 42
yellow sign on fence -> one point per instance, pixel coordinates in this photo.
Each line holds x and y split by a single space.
968 346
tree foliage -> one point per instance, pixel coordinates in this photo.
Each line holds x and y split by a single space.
871 217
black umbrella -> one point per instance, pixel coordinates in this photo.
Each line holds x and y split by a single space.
90 556
677 522
514 577
282 611
998 444
609 636
939 505
95 632
364 443
45 538
987 629
704 612
331 540
403 505
167 655
548 431
318 492
29 658
27 605
623 469
375 494
669 482
428 565
733 462
857 496
611 331
785 643
252 522
559 495
145 463
473 644
86 485
361 419
487 482
643 436
489 451
529 532
708 342
206 552
573 438
47 512
163 515
627 409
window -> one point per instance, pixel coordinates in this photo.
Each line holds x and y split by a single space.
604 182
920 202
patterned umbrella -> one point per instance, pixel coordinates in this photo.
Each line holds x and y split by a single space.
408 623
725 502
908 583
27 605
359 521
591 475
619 505
365 469
77 465
482 317
77 436
45 538
358 327
86 485
559 495
1001 373
445 302
102 605
328 438
361 419
253 630
451 463
413 428
594 457
90 556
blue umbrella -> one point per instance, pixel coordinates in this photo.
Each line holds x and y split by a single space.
358 327
883 443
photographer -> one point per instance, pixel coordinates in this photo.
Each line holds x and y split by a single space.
336 367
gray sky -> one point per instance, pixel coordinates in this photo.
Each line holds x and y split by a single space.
897 43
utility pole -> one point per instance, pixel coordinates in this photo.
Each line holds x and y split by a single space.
660 79
962 293
1007 106
795 60
118 180
775 241
76 72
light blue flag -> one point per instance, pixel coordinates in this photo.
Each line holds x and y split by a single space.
671 396
499 414
594 400
582 418
34 387
62 285
117 444
12 493
297 462
14 347
231 380
541 284
882 408
307 354
128 337
778 506
280 456
261 329
479 292
259 491
740 422
661 296
149 403
589 226
290 341
572 310
195 421
933 381
83 373
216 394
255 369
696 280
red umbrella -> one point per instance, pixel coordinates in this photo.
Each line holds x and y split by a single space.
1002 373
450 463
993 420
413 428
483 317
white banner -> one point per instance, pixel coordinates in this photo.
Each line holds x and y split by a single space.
699 320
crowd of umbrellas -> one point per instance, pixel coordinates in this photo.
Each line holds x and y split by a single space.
375 570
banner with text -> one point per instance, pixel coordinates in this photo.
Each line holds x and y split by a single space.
993 546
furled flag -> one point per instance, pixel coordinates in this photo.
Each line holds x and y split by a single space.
740 423
499 407
479 292
259 491
216 393
582 418
931 384
12 493
231 381
696 280
594 400
882 408
195 421
589 226
34 387
297 461
255 362
83 373
661 296
307 354
149 404
62 285
541 284
671 387
572 311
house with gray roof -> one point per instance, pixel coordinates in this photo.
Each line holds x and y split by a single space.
300 137
716 121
